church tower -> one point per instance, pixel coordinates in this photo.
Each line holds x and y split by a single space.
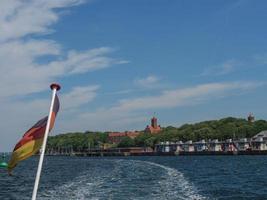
251 118
154 122
154 127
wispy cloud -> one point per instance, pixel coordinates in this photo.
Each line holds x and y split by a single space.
22 114
135 109
19 55
148 81
21 18
73 99
79 96
81 62
186 96
225 68
25 75
22 24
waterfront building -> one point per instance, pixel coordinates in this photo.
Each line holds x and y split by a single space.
116 137
215 145
188 146
258 144
200 145
159 147
169 147
259 141
154 127
243 144
229 145
162 147
179 146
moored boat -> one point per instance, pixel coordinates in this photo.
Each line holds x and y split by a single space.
3 165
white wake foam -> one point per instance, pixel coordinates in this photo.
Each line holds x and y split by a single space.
127 179
176 185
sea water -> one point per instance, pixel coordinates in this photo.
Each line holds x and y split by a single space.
180 177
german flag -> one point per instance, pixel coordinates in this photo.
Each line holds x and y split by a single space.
32 140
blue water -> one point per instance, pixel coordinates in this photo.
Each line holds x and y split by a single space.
203 177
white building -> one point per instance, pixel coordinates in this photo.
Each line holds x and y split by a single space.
259 141
179 146
189 146
215 145
201 145
167 147
229 145
243 144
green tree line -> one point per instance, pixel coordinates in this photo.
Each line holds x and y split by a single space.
77 141
222 129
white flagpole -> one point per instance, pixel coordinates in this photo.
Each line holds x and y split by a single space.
54 88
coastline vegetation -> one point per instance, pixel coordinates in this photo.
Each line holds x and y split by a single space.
222 129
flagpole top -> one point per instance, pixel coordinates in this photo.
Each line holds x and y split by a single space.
55 85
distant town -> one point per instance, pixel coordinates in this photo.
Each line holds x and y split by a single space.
234 136
117 137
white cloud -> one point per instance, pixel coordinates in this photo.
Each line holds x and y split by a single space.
186 96
21 73
222 69
75 98
78 96
19 115
149 82
151 79
22 23
132 110
19 18
81 62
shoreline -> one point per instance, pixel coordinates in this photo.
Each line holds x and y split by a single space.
203 153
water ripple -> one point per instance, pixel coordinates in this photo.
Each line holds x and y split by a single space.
127 179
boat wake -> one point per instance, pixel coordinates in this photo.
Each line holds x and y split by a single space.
175 185
126 179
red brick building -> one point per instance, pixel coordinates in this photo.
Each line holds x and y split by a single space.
154 127
116 137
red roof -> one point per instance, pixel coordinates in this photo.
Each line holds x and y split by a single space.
152 129
124 134
116 134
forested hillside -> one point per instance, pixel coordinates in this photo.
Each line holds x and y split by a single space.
221 129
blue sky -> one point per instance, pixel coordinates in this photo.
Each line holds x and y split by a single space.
121 61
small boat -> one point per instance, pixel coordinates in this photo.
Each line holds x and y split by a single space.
3 165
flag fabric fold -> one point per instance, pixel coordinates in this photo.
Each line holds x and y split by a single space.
32 140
